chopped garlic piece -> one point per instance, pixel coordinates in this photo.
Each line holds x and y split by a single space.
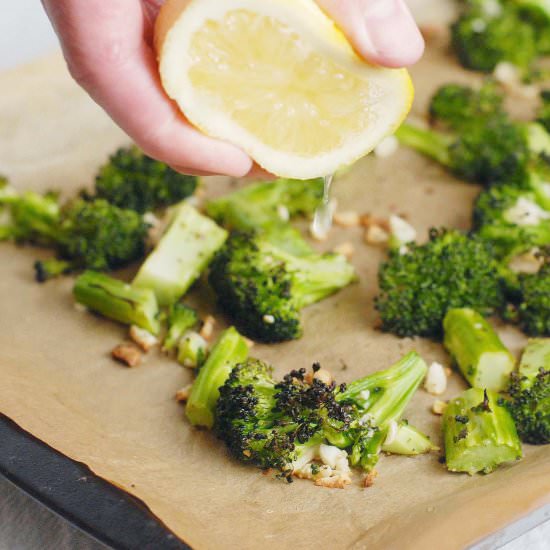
347 218
526 213
269 319
183 394
439 407
436 379
529 262
345 249
506 73
402 230
207 329
376 235
283 213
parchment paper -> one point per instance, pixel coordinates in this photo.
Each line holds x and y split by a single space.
59 383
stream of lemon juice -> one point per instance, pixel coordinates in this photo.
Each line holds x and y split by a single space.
322 220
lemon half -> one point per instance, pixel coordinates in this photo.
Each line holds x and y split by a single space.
278 79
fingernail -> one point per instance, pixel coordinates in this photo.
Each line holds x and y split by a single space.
392 32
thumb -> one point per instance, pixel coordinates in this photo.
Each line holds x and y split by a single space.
382 31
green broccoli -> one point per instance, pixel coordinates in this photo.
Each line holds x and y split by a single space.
229 351
263 287
484 150
451 270
290 424
30 217
181 318
455 106
479 433
268 207
513 218
192 350
489 32
543 116
477 349
45 270
408 441
137 182
118 300
531 309
530 393
181 255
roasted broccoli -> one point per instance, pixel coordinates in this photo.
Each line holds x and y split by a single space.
530 393
293 424
513 218
29 217
118 300
181 318
484 151
530 307
181 255
408 441
479 433
491 31
451 270
137 182
263 287
456 106
477 350
192 350
267 207
229 351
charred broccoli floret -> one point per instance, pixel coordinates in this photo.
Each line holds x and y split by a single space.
451 270
490 31
513 218
290 424
530 393
263 287
479 433
137 182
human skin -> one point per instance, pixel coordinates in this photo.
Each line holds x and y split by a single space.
109 42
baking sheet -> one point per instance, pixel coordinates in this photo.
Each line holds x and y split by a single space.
59 383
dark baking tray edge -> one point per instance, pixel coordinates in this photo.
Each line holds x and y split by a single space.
71 490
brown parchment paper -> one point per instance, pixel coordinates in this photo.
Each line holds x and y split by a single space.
58 382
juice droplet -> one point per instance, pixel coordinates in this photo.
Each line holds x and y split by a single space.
322 220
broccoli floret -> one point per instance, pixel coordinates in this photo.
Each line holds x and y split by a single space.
451 270
283 425
487 33
478 351
118 300
530 393
181 318
543 116
137 182
456 106
267 207
532 312
99 236
30 217
263 287
537 14
182 254
483 151
192 350
479 433
229 351
259 205
513 218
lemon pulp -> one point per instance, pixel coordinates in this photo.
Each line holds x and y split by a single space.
259 71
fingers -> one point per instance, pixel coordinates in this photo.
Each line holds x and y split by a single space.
382 31
107 54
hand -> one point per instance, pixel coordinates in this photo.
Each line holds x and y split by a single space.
108 48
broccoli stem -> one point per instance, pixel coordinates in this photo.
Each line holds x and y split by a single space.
230 350
427 142
409 441
477 349
536 356
49 269
192 350
479 433
181 318
183 252
118 300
